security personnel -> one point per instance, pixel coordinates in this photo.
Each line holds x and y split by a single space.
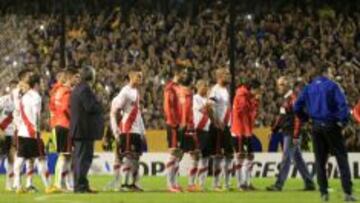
326 106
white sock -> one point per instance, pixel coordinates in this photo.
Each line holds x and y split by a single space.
44 172
238 171
203 171
170 167
126 170
193 171
217 171
29 172
9 174
135 172
60 171
244 173
176 174
117 168
248 172
18 166
69 178
227 171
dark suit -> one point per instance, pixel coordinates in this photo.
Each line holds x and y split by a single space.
86 126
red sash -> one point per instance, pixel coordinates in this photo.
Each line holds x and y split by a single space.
6 122
126 127
28 124
204 120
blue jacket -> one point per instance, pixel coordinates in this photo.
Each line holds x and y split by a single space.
322 100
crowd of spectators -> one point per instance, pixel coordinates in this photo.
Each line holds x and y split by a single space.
290 41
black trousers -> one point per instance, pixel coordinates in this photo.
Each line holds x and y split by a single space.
82 159
328 139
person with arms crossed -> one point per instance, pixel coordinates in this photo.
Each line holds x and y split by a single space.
326 106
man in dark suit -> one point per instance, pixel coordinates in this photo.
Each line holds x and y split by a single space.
86 126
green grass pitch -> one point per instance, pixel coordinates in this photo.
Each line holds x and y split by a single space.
156 193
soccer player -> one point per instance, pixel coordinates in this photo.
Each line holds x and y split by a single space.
7 127
30 144
187 128
130 130
201 109
222 149
244 111
22 87
60 107
356 112
172 110
289 125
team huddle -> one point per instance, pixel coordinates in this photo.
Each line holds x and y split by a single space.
204 123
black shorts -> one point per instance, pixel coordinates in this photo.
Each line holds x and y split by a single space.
191 141
63 141
6 144
30 147
130 142
175 137
221 143
242 144
204 142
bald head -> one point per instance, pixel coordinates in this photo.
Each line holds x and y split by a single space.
223 76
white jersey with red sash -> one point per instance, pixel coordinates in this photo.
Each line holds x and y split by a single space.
30 112
128 102
6 114
16 95
201 117
222 108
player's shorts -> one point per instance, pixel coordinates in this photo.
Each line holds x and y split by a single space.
221 141
242 144
30 147
6 144
63 141
204 142
191 141
175 137
130 142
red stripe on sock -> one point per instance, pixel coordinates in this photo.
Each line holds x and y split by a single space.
63 174
117 167
170 164
193 171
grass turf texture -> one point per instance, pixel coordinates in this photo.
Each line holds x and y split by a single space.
155 192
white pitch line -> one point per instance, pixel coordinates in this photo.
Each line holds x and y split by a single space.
47 197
